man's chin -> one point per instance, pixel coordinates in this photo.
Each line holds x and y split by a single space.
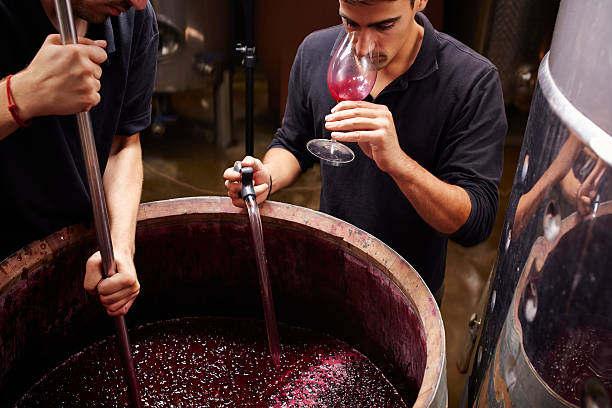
92 18
381 63
98 20
95 19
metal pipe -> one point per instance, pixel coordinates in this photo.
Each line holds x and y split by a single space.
98 200
250 79
249 64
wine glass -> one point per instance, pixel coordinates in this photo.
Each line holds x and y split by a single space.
350 77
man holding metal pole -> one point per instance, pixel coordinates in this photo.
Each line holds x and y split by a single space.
110 73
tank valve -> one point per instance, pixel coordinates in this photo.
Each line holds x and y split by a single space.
247 181
469 343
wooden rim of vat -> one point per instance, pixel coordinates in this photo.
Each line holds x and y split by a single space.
360 243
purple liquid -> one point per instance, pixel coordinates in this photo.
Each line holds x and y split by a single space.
218 362
577 355
265 288
354 88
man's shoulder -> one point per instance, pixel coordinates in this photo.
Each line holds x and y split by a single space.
16 13
8 15
147 15
10 7
454 55
135 19
325 34
132 32
322 39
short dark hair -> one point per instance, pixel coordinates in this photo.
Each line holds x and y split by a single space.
369 2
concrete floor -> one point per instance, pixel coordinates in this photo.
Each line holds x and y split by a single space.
185 161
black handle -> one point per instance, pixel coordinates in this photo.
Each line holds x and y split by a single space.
247 181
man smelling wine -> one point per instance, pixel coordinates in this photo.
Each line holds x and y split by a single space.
428 140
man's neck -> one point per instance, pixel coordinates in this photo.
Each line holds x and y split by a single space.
406 57
49 7
402 61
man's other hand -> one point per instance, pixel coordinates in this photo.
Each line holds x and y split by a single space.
116 292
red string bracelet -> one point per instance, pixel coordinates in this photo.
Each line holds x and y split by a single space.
11 105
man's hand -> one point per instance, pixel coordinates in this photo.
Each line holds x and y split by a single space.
118 291
371 126
61 79
261 181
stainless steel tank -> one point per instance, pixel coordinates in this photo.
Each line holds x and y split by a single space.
196 42
196 46
520 35
547 336
195 258
513 34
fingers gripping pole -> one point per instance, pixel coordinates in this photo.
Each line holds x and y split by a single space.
68 32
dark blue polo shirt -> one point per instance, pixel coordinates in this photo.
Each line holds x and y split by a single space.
449 115
42 175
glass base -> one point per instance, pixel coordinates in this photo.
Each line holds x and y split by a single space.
330 152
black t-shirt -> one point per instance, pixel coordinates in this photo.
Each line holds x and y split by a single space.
42 174
449 116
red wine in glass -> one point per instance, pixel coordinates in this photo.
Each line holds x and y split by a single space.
350 77
354 88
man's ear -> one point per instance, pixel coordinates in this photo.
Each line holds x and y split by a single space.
419 5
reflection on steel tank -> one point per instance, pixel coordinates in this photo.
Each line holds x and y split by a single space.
546 340
196 41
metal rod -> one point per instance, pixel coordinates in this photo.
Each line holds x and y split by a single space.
249 141
98 200
250 23
249 62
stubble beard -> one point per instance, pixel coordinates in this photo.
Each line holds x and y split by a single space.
82 10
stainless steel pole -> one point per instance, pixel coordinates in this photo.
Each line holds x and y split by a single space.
249 60
249 63
98 201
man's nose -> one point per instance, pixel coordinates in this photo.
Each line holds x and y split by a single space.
138 4
364 44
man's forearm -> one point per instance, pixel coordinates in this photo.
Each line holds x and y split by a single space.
283 167
123 186
443 206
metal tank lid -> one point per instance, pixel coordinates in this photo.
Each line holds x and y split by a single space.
580 60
